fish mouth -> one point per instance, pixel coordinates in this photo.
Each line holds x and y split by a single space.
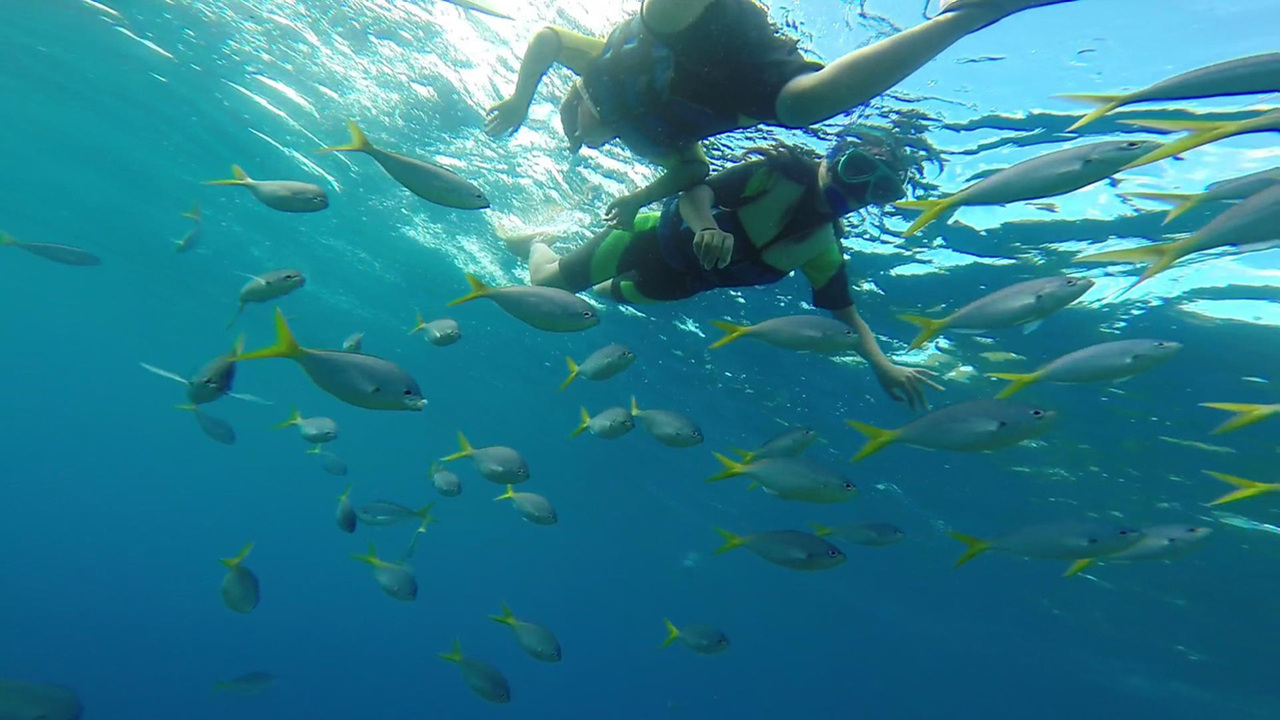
417 404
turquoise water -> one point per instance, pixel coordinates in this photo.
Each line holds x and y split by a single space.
119 509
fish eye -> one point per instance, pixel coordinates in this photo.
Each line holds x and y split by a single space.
833 552
1037 413
1093 541
848 486
586 313
1132 145
1071 282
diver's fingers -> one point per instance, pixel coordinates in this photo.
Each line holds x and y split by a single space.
726 251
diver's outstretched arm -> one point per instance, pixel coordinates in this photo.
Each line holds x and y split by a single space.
901 383
681 172
550 46
672 16
868 72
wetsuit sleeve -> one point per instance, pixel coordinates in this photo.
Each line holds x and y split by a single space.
739 184
577 52
830 279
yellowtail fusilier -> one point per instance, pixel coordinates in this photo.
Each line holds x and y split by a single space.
1256 221
973 426
1235 189
1105 362
429 181
1253 75
1244 415
441 333
1055 541
602 364
218 430
1049 175
872 534
191 240
497 463
531 506
345 515
1200 133
315 430
1024 305
38 701
789 548
791 479
1244 488
545 308
669 428
1158 543
62 254
788 443
354 343
802 333
382 513
609 424
445 482
395 579
539 642
354 378
702 639
250 683
483 8
267 287
240 590
484 679
283 195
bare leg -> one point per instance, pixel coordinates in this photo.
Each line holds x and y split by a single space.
544 267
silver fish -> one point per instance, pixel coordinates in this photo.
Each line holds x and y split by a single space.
702 639
315 430
484 679
63 254
788 548
802 333
1158 543
602 364
669 428
240 590
428 181
354 343
875 534
1056 541
496 463
1103 362
1025 304
972 426
1199 133
283 195
1240 188
609 424
445 482
267 287
396 579
382 513
791 479
441 333
788 443
545 308
532 507
345 515
217 429
191 240
212 381
539 642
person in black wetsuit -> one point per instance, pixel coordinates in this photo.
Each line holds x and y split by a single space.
751 224
681 71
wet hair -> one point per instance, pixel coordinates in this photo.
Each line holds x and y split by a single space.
569 117
800 166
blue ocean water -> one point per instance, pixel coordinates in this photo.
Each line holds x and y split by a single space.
119 508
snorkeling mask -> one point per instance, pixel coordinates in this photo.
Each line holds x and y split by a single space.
865 170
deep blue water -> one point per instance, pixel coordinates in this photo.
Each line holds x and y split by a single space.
118 509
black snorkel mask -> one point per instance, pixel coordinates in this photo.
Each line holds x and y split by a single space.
859 177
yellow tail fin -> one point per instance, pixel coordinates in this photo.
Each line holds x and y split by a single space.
234 562
239 177
315 450
359 143
1181 202
1245 415
731 541
929 328
1158 257
1201 132
573 373
582 427
295 417
731 469
1078 567
424 513
193 213
635 409
454 655
420 325
509 494
370 557
877 438
1019 380
732 332
478 290
346 493
672 634
465 449
1105 103
930 210
821 530
1246 488
745 455
286 346
506 617
7 239
975 547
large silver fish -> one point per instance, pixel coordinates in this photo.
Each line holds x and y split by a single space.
1056 541
539 642
1199 133
1158 543
484 679
240 591
497 463
973 426
803 333
545 308
283 195
531 506
428 181
1024 305
791 479
1104 362
396 579
1239 188
602 364
62 254
789 548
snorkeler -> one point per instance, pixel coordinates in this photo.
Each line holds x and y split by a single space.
751 224
681 71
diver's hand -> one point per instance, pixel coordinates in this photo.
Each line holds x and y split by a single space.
506 117
622 212
714 248
906 384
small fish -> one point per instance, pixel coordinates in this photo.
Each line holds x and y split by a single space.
1250 223
354 378
1048 207
1195 444
1244 488
354 343
480 7
669 428
283 195
790 479
445 482
973 426
441 333
267 287
532 507
1105 362
1025 305
484 679
702 639
610 424
429 181
1160 542
1245 415
63 254
539 642
1056 173
1055 541
383 513
1199 133
788 548
240 586
332 464
602 364
395 579
38 701
217 429
345 516
545 308
1235 189
251 683
497 463
873 534
789 443
802 333
316 430
213 381
191 240
1256 74
1000 356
